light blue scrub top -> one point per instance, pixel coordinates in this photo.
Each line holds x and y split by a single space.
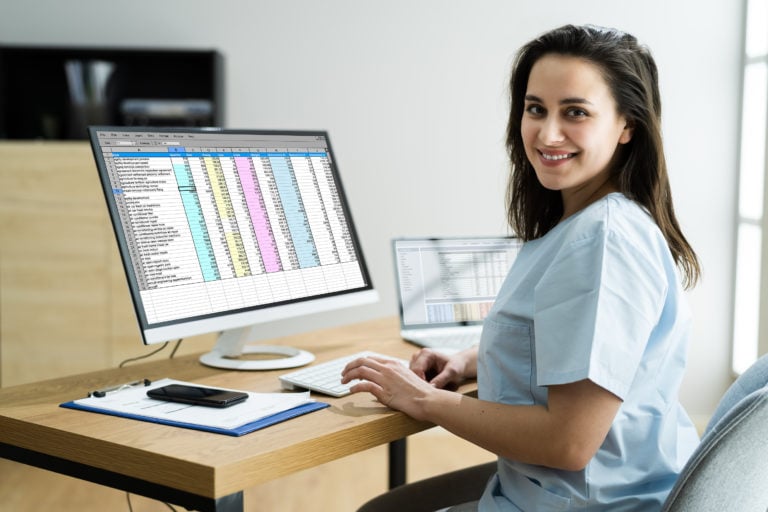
599 298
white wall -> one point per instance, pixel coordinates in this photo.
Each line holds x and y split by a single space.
413 93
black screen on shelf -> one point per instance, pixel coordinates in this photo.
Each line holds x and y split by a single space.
56 92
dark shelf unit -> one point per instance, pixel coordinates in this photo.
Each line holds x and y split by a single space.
56 92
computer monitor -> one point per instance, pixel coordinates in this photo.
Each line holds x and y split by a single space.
220 230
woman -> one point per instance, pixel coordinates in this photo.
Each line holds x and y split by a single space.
582 355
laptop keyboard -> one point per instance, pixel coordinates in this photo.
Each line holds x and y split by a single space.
455 341
325 377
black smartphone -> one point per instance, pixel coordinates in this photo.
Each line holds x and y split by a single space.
197 395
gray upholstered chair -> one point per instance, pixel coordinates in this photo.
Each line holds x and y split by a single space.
728 472
729 469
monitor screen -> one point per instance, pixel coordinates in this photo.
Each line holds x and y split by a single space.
222 229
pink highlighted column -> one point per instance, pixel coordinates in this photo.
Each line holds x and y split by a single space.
258 213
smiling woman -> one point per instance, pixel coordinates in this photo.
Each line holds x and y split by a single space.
571 129
582 354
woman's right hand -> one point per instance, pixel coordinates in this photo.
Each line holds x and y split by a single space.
445 371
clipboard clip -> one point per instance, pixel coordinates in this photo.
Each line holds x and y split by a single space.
101 393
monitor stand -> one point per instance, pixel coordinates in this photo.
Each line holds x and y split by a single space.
234 343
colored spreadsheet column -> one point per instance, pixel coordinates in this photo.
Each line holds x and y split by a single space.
196 220
296 217
258 212
226 213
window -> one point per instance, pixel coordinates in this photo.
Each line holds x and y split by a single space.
751 220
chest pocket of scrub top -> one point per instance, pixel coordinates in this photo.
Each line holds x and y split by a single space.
506 370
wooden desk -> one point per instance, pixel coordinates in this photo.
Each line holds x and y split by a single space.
200 470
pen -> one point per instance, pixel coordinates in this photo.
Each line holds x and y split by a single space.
100 393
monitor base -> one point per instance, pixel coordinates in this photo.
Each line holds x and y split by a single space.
233 344
288 357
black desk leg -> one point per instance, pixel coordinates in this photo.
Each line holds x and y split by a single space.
231 503
397 461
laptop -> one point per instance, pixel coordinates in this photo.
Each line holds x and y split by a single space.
446 286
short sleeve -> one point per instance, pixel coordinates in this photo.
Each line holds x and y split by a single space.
594 311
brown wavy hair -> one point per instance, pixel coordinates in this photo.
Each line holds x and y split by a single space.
640 172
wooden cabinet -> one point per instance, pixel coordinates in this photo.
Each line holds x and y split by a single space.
64 303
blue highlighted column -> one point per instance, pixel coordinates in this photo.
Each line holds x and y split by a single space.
196 222
298 224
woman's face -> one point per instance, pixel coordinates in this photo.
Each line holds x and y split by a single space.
570 126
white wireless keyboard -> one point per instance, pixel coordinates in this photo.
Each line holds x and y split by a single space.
325 377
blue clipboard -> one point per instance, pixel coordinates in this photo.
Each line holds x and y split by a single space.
238 431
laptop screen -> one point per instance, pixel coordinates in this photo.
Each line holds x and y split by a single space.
450 281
